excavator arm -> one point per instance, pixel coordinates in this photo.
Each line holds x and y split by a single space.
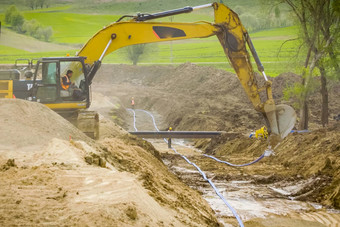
227 27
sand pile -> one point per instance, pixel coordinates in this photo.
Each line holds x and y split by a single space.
26 123
46 179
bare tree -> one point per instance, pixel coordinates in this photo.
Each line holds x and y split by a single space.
134 52
31 4
319 21
47 3
41 3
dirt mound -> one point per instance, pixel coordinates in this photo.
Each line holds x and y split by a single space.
281 82
47 179
26 123
305 165
284 80
188 97
191 97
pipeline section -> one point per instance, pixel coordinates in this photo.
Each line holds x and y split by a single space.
193 164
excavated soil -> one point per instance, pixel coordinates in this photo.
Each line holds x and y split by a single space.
48 179
312 157
199 98
305 167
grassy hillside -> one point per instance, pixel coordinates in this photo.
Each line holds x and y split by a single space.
73 26
133 6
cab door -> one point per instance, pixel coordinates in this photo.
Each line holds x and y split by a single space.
47 90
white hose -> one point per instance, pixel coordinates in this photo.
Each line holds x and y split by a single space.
193 164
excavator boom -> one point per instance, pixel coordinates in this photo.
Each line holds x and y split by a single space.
227 27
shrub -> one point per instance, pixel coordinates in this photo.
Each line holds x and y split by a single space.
14 18
31 27
9 12
17 21
47 33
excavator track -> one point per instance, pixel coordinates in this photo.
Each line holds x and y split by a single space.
88 123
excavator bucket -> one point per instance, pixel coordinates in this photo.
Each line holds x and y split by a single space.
281 119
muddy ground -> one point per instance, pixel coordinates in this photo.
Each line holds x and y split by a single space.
305 166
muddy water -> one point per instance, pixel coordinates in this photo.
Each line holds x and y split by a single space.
257 204
252 201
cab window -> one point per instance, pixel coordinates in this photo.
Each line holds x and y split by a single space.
49 73
77 68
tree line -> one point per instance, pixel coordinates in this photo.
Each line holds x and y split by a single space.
35 4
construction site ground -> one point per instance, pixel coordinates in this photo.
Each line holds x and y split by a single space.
52 174
300 182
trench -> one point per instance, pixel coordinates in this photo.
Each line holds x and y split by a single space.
253 201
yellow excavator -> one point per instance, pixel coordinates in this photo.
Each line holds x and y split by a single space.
142 28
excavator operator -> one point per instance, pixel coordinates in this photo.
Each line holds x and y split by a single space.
66 80
69 86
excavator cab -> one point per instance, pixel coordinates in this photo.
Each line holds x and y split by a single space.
47 84
47 89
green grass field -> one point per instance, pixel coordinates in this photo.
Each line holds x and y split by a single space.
71 28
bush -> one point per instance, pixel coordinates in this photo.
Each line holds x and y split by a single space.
14 18
137 52
17 21
39 33
35 29
134 52
47 33
31 27
44 33
9 12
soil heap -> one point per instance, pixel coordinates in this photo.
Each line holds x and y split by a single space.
48 179
191 97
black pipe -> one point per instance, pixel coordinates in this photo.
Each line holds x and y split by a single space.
177 134
145 17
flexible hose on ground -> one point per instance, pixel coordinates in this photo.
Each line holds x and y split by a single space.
235 165
208 156
134 120
193 164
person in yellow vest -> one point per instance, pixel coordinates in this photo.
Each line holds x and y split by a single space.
68 85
